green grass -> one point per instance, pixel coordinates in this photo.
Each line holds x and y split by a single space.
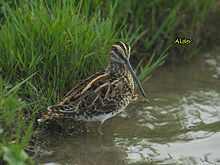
62 44
47 46
14 131
162 22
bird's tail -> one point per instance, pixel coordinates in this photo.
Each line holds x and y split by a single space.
48 117
45 118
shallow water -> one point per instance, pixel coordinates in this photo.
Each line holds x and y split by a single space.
181 125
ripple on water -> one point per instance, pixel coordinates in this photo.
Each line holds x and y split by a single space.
185 132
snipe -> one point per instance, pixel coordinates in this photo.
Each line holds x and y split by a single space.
102 95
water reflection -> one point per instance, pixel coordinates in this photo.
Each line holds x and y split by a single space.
86 150
185 132
180 126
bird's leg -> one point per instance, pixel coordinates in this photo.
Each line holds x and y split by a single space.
136 96
99 130
87 128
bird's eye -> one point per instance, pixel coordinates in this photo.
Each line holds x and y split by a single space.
115 49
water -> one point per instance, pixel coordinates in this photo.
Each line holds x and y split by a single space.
181 125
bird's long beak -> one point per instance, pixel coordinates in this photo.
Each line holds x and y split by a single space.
134 76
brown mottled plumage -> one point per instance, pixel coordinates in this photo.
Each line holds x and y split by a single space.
102 95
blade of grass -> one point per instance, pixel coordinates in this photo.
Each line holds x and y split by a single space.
18 85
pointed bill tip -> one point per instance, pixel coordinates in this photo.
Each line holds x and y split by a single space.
134 76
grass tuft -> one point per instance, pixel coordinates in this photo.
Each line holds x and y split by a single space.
47 46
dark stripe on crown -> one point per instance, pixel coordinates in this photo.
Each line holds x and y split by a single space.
122 46
127 47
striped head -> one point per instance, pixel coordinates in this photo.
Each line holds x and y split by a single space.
120 51
121 54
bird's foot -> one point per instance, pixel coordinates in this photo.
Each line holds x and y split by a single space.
87 128
136 96
99 130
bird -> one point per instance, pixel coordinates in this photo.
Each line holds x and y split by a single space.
102 95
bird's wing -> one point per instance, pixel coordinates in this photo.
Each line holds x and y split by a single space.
87 94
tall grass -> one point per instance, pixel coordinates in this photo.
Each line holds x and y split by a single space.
162 22
14 131
61 42
68 40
